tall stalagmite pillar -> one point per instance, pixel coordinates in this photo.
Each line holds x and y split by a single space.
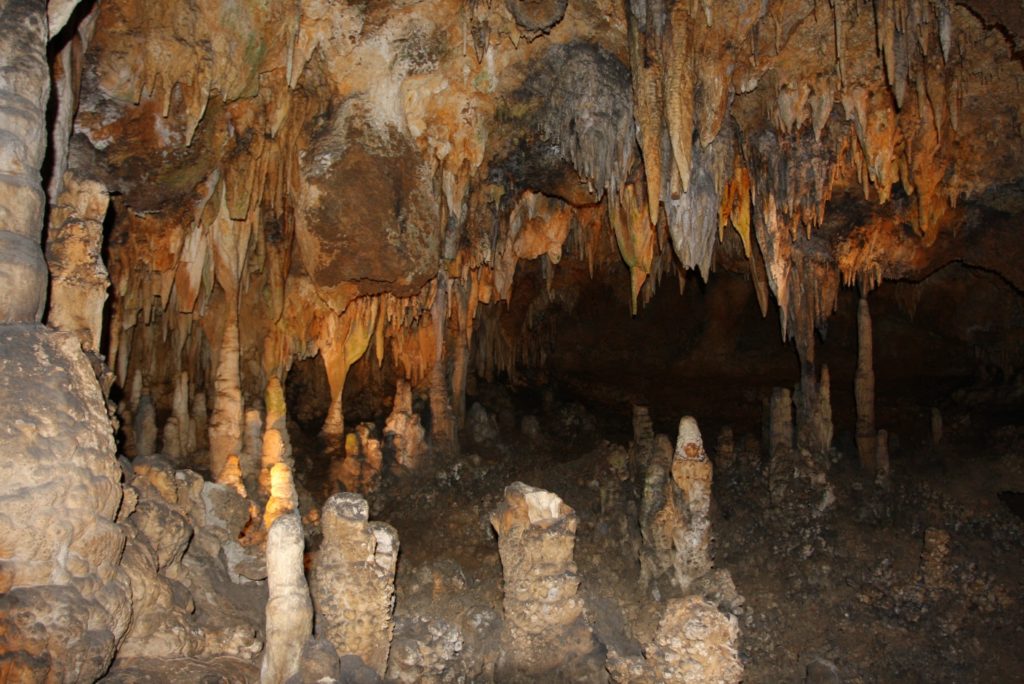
692 472
544 625
354 581
289 608
864 389
24 89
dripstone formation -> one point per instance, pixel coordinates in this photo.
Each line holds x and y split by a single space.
268 267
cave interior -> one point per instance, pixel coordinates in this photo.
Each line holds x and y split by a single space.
512 341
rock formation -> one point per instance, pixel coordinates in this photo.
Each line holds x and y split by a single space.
691 473
60 493
544 624
403 431
353 581
289 608
695 644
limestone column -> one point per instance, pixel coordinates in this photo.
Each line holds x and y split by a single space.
289 608
864 389
692 474
544 625
79 282
354 581
24 89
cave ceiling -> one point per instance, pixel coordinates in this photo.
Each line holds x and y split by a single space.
347 178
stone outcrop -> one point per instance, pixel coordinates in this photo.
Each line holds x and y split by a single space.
695 644
60 492
353 581
545 629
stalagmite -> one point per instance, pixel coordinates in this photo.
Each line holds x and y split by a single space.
882 468
353 581
780 422
273 454
813 402
864 389
444 431
643 441
658 517
358 468
283 498
78 276
782 453
251 458
289 609
145 431
544 623
225 430
403 432
692 473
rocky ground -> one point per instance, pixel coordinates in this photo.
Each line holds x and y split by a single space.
838 578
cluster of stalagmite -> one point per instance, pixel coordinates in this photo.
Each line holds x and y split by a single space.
358 468
675 509
403 431
353 581
695 641
544 625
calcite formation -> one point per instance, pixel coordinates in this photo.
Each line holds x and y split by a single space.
59 494
289 622
353 581
695 644
358 469
544 625
675 520
691 473
403 432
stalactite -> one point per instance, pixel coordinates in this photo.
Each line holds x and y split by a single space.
342 341
864 389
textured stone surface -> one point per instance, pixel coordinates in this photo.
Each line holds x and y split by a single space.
544 625
353 581
695 644
65 598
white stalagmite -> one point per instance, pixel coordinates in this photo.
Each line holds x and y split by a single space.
289 608
864 390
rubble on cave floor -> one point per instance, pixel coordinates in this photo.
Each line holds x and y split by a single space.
555 547
831 577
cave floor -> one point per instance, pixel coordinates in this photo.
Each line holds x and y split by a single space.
855 584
